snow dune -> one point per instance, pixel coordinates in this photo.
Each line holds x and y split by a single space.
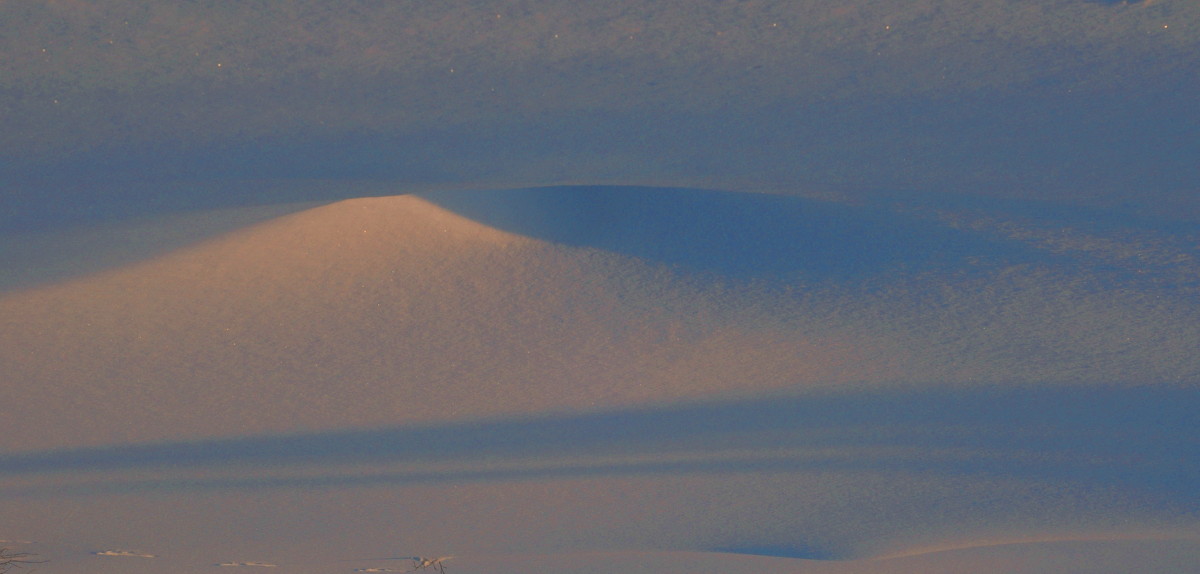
588 379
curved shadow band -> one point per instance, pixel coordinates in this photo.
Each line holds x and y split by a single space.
729 234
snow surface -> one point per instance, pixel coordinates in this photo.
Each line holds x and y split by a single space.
362 382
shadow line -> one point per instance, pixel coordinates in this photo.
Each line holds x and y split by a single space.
1138 437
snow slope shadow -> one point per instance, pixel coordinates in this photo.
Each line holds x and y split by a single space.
730 234
1110 437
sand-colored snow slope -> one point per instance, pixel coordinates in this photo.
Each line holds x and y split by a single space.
614 380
